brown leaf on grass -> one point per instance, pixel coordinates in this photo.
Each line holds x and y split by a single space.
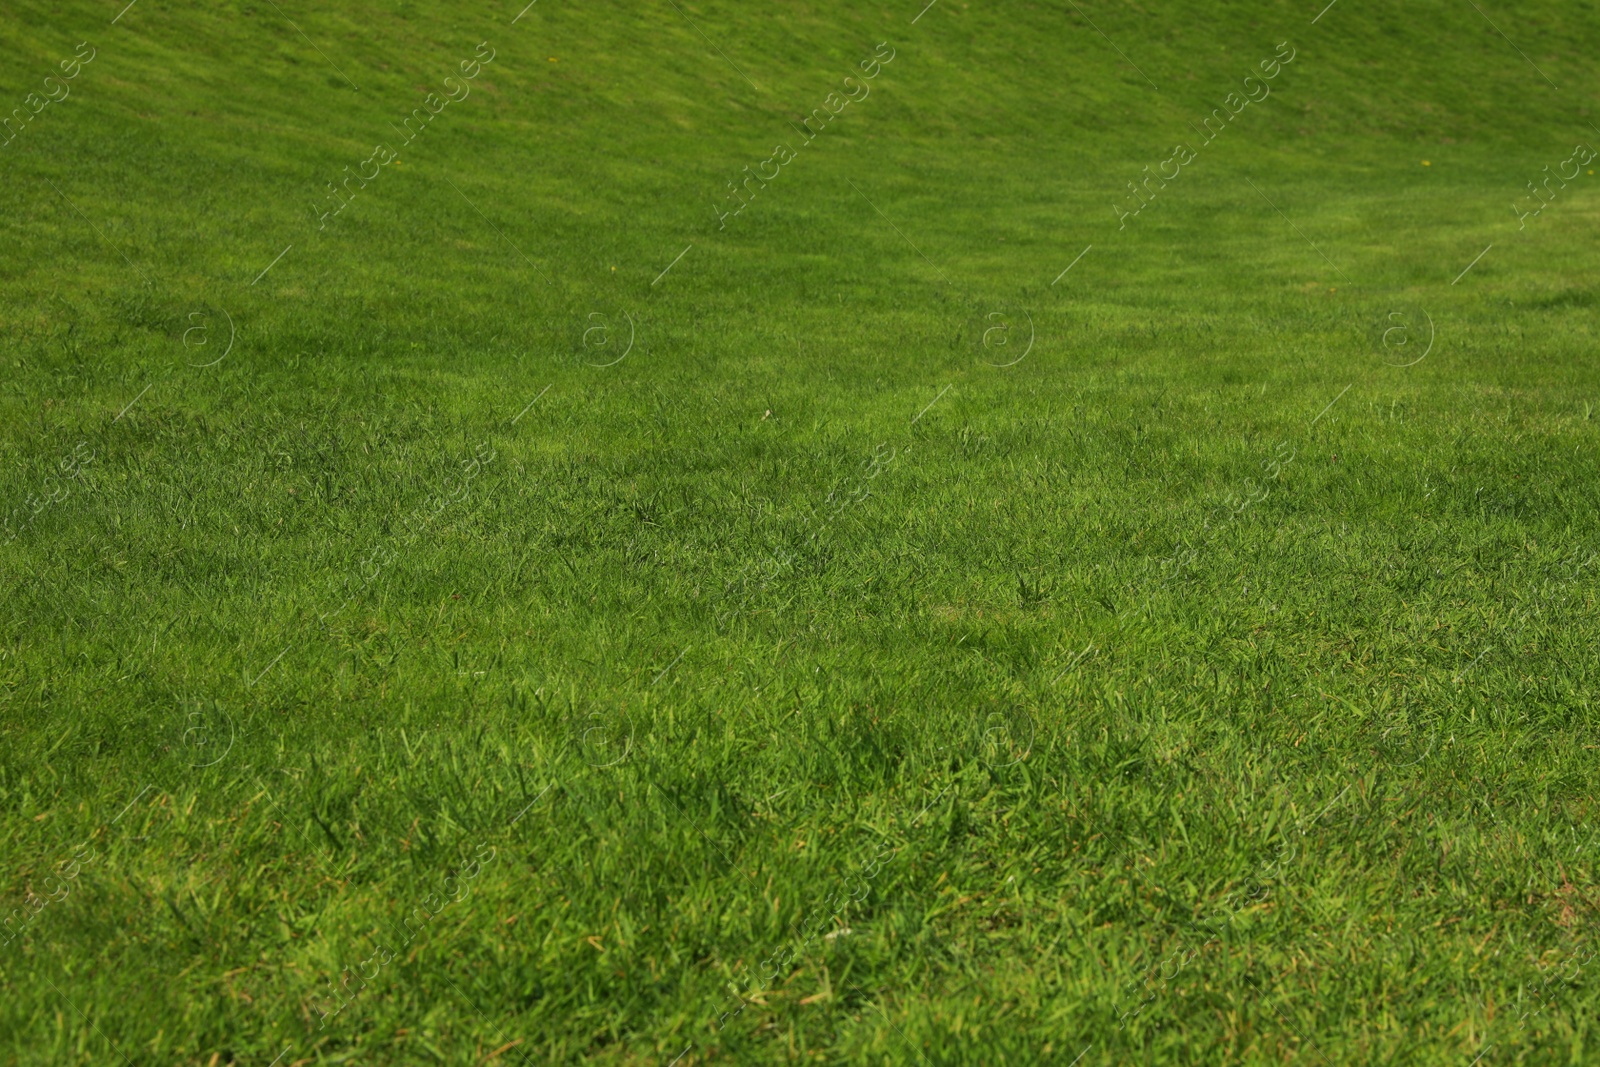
503 1048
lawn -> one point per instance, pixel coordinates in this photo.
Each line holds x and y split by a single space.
694 532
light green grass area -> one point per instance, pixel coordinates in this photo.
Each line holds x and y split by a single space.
932 616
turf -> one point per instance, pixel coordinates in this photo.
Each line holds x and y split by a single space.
933 615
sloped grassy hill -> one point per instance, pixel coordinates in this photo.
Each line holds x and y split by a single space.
685 532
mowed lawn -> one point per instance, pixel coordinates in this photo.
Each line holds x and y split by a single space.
695 532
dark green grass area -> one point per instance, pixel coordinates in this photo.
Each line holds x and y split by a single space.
465 632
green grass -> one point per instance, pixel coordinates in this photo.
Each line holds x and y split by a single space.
748 657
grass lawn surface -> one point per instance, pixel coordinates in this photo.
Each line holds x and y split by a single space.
683 532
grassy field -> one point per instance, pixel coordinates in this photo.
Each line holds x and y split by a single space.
688 532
